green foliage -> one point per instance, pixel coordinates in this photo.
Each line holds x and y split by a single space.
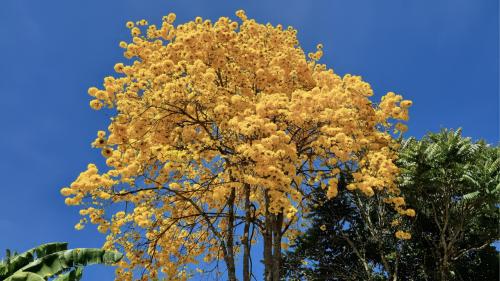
452 183
73 275
12 264
53 260
350 238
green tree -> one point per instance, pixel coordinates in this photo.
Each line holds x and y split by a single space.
351 237
452 183
53 260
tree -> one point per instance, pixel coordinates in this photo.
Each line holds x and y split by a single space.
221 131
454 184
351 237
451 182
53 260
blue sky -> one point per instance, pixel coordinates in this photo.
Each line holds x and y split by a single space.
442 54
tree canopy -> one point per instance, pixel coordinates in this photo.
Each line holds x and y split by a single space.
452 183
220 133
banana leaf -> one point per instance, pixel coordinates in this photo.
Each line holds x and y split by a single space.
73 275
25 276
57 263
13 264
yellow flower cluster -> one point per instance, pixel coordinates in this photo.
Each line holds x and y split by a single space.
403 235
205 108
399 204
332 188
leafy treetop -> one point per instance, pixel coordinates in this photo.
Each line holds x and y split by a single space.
212 115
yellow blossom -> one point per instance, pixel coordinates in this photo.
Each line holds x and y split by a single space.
212 115
66 191
410 212
403 235
95 104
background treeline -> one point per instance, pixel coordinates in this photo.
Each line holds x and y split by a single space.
452 183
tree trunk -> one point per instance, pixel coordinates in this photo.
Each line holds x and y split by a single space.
268 242
272 243
444 266
231 270
278 221
246 236
444 269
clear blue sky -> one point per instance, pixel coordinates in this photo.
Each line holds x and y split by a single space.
442 54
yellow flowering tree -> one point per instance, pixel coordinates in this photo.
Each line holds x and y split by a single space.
220 132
